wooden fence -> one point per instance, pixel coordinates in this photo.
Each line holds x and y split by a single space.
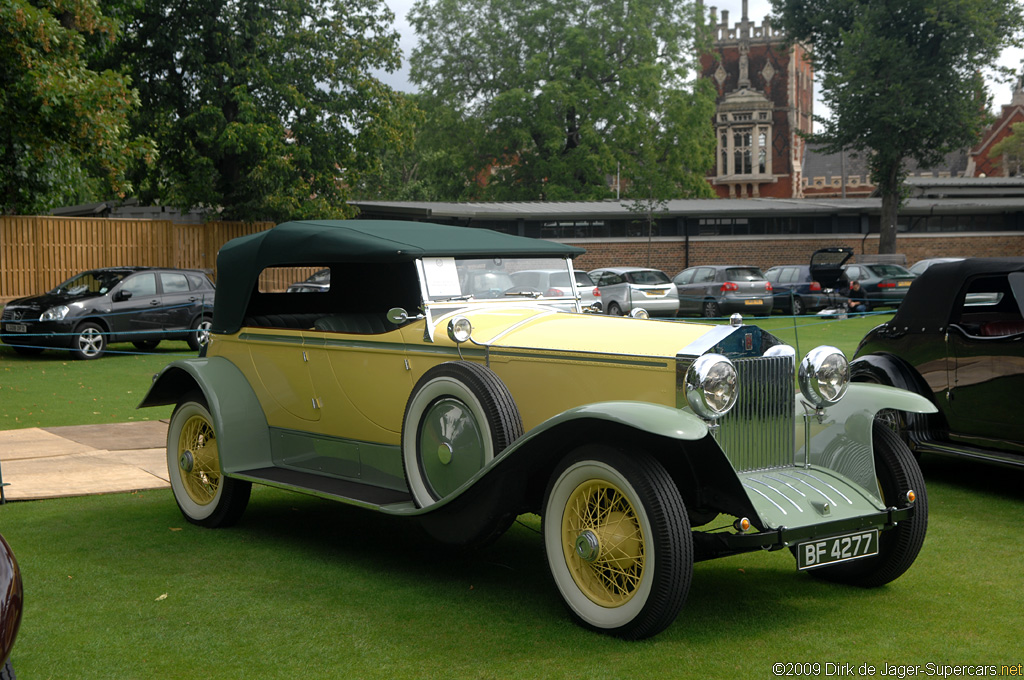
37 253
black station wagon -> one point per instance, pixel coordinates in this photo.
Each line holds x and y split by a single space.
449 395
957 339
84 314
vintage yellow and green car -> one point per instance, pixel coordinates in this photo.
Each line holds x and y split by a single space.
424 383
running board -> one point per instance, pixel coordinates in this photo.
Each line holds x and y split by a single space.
353 493
964 451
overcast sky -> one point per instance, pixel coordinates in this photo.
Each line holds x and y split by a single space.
757 11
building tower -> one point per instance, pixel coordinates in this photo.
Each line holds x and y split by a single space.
765 96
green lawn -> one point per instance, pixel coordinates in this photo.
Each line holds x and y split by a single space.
121 586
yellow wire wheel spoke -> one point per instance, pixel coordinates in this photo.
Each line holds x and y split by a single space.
603 543
200 469
617 539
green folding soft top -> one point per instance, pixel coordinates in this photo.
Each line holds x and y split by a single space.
321 242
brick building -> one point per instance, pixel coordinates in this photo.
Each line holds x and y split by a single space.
765 97
981 163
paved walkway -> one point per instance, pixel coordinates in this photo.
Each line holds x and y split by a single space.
80 460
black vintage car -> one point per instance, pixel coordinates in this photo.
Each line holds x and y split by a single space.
957 339
142 305
10 607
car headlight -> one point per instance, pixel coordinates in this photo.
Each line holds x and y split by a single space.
55 313
824 376
459 329
711 386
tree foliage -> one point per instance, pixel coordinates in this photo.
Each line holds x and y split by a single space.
563 92
63 125
903 78
262 109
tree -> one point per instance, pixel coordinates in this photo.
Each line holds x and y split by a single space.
437 161
1010 150
903 78
560 89
62 125
263 110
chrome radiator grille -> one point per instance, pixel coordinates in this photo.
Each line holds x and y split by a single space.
758 433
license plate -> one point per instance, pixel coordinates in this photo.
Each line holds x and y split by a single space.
16 328
751 302
903 284
836 549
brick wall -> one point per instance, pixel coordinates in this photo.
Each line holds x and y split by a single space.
670 255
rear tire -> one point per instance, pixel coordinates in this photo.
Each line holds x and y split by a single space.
614 309
897 473
203 494
711 309
798 306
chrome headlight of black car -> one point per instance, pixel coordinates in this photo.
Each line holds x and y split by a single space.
824 376
711 386
55 313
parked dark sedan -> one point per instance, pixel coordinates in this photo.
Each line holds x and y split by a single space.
796 292
142 305
885 284
11 604
957 339
717 290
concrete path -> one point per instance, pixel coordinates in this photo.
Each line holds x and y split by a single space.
80 460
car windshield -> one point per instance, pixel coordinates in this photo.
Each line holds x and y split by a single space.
90 283
647 277
743 274
888 270
488 279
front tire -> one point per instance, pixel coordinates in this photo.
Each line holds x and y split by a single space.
460 416
897 473
618 541
89 341
203 494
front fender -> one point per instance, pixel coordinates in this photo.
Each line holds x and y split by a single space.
243 436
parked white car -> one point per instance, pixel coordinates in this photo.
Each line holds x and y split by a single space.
624 289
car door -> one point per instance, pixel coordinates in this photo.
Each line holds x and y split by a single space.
179 303
986 348
135 308
683 281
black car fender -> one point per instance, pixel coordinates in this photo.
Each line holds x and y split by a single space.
888 369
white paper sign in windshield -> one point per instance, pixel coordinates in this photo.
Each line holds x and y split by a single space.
442 277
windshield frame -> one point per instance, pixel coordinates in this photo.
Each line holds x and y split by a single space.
436 307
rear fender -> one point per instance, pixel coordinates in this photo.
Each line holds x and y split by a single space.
242 434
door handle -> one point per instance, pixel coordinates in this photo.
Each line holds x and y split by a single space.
154 302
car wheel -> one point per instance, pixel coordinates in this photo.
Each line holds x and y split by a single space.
205 496
798 306
460 416
614 309
618 543
711 309
897 473
199 336
27 351
89 341
146 345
